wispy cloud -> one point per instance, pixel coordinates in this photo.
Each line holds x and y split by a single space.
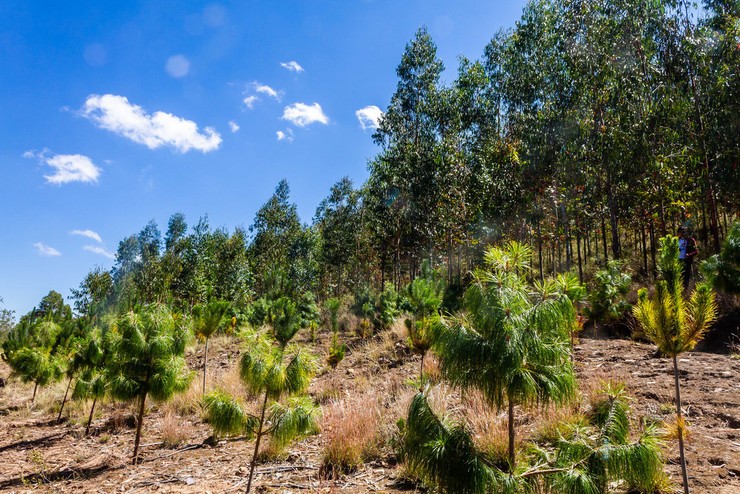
233 126
369 117
286 135
301 114
67 167
177 66
46 251
265 89
116 114
293 66
249 101
87 233
96 249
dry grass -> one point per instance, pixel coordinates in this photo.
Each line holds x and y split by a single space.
351 428
186 403
174 430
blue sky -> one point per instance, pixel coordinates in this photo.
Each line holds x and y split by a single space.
117 113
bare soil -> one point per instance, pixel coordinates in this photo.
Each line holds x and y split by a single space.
37 455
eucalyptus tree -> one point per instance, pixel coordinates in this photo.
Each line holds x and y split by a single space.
509 344
275 229
207 320
276 369
338 222
674 323
148 359
405 174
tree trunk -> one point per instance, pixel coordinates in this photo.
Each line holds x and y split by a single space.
539 245
64 400
684 473
205 367
512 454
257 444
89 419
603 239
33 398
138 429
580 259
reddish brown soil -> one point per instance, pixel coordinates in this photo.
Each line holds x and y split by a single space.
36 455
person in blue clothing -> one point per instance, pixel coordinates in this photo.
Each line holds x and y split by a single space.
687 250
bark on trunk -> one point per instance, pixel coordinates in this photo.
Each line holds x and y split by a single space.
64 400
684 473
138 429
205 367
257 445
89 418
512 454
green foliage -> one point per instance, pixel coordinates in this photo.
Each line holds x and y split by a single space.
509 345
148 347
670 321
277 369
337 350
387 307
673 323
298 417
723 269
333 305
285 320
210 318
584 456
227 415
442 455
606 299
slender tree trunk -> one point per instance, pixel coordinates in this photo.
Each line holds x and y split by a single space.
205 367
644 248
603 239
89 419
613 220
580 259
679 415
257 444
33 398
64 400
652 248
539 245
512 453
138 429
421 374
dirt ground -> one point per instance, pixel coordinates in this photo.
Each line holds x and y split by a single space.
37 455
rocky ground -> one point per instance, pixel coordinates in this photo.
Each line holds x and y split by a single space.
37 455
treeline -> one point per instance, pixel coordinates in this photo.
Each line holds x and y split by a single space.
588 131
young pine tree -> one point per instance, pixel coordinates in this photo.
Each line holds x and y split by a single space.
148 359
510 345
274 370
674 323
31 352
207 320
425 298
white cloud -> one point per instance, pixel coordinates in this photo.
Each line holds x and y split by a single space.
249 101
301 114
233 126
95 249
87 233
369 117
265 89
292 66
177 66
47 251
286 135
67 167
116 114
